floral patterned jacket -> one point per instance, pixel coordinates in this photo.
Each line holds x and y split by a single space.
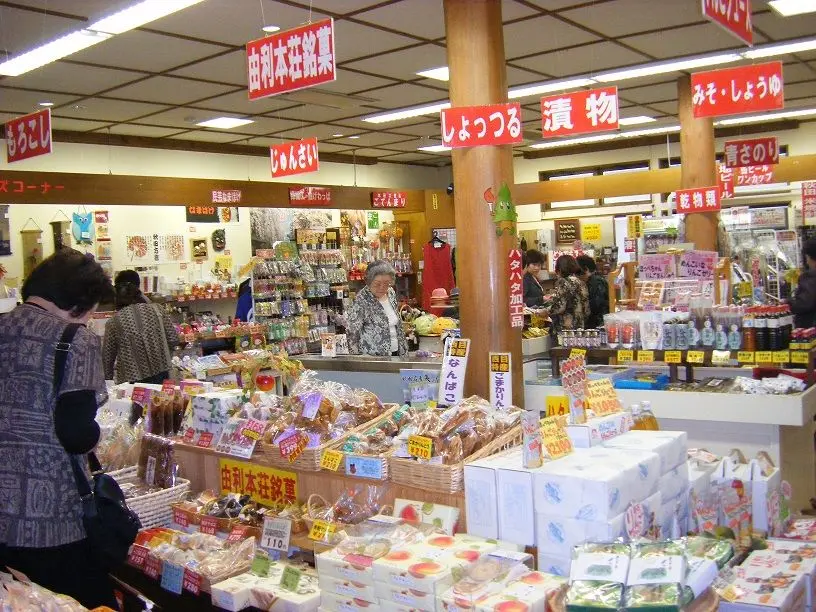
368 332
570 304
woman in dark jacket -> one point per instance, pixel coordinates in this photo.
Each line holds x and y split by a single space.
570 303
533 291
803 304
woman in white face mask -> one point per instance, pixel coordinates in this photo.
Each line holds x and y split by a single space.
533 291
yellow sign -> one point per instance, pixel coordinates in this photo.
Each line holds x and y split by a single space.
601 397
557 405
745 357
420 446
634 226
720 357
781 357
556 442
331 460
745 290
576 352
645 356
764 357
499 362
459 348
322 531
695 357
799 356
625 355
590 231
672 356
266 485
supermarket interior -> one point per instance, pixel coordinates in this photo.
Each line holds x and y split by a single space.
408 305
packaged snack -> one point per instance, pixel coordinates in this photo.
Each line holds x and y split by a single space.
657 572
597 577
157 465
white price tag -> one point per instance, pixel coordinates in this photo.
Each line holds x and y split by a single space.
276 534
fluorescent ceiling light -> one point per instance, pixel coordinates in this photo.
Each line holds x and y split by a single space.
434 149
440 74
46 104
664 67
668 129
224 123
548 87
407 113
354 137
796 46
566 177
636 120
270 29
337 135
51 52
788 8
139 14
566 142
789 114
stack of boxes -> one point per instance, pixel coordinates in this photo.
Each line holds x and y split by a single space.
266 592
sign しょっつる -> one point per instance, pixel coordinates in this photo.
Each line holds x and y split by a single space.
473 126
735 91
579 112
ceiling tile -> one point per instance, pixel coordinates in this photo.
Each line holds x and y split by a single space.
540 35
624 17
411 157
321 131
129 129
65 77
349 81
238 103
21 101
311 113
800 90
685 41
355 40
796 72
169 90
108 110
30 29
81 8
409 145
515 10
651 93
396 96
375 139
230 68
554 5
667 108
75 125
519 76
207 136
404 64
367 152
422 19
590 58
781 28
346 6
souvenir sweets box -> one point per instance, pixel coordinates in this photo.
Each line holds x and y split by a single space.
266 593
331 602
671 446
600 429
675 482
782 592
391 595
597 577
802 529
442 517
487 576
209 412
347 588
657 571
233 594
788 558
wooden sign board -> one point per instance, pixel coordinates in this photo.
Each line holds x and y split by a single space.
567 231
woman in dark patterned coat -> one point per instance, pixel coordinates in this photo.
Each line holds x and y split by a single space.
375 327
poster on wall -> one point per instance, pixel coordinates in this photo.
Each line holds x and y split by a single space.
104 252
101 220
198 249
150 249
358 221
5 231
268 226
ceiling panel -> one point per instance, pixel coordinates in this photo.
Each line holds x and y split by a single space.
268 141
793 73
207 136
75 125
375 139
108 110
800 90
321 131
405 95
667 108
355 40
349 81
407 145
129 129
554 5
23 101
623 17
346 6
423 127
30 29
65 77
590 58
229 68
310 114
421 19
780 28
80 8
411 157
237 102
685 41
169 90
404 64
652 93
366 152
520 76
541 34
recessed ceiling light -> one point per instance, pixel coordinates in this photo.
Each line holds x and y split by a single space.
788 114
224 123
46 103
269 29
354 137
636 120
337 135
788 8
440 74
548 87
791 46
434 149
407 113
139 14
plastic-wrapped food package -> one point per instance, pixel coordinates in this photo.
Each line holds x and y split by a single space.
597 577
121 448
656 575
22 596
719 551
157 464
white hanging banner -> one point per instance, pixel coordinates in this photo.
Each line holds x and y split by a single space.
501 380
452 378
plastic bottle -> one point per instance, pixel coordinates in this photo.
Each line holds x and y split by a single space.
748 331
761 329
644 418
774 334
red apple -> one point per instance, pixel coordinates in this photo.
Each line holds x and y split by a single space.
441 541
424 569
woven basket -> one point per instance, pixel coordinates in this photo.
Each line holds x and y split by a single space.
153 509
446 478
382 459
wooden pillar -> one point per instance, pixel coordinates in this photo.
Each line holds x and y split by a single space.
475 43
698 165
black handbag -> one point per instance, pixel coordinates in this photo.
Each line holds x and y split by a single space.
110 525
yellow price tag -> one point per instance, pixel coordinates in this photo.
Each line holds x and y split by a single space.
420 446
645 356
781 357
556 442
672 356
745 290
626 356
578 352
601 397
322 531
331 460
799 356
695 357
557 405
764 357
745 356
720 357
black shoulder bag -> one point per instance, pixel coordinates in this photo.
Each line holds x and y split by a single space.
110 525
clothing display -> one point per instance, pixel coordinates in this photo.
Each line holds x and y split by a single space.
438 270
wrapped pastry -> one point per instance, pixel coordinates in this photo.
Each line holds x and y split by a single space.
157 465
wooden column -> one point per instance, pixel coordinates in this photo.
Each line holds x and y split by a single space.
698 165
475 44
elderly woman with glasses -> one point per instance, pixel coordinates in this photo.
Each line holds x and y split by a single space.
374 326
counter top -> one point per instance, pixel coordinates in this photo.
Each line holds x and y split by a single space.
366 363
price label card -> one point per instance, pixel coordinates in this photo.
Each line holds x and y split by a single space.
253 429
745 357
720 357
331 460
557 405
672 356
625 356
238 533
205 440
169 388
209 525
322 531
556 442
137 556
764 357
781 356
172 577
260 564
799 356
645 356
420 446
601 397
290 578
276 534
745 290
577 352
180 517
695 357
152 567
192 581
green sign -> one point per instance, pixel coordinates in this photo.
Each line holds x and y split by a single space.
260 564
290 578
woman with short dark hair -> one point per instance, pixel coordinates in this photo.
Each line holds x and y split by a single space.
375 327
533 291
803 304
41 530
569 308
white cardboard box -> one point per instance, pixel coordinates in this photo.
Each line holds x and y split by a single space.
671 446
553 564
675 482
599 429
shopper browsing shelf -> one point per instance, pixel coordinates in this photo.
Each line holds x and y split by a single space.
803 304
533 291
139 337
569 307
41 529
374 325
598 290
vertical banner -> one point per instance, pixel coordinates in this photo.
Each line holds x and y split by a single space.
809 202
5 231
452 378
32 249
516 289
501 380
61 232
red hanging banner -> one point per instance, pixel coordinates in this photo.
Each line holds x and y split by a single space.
28 136
751 152
753 175
516 288
809 203
702 199
733 16
291 60
298 157
579 112
736 91
473 126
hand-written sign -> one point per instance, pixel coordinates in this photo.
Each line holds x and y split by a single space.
656 266
567 231
601 397
697 264
556 442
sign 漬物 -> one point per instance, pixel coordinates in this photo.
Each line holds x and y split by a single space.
751 152
473 126
580 112
735 91
28 136
290 158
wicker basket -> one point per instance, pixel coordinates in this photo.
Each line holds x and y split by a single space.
382 459
446 478
153 509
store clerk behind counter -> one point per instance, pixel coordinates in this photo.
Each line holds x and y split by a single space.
533 291
374 327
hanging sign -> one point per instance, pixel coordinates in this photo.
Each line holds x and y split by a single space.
28 136
516 288
291 60
579 112
809 202
388 199
751 152
452 378
754 175
733 16
290 158
735 91
725 181
473 126
702 199
226 196
501 380
310 196
629 245
567 231
634 226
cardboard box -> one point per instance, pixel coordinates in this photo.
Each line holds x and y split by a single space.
671 446
404 597
757 594
675 482
340 603
553 564
796 559
442 517
209 413
347 588
595 484
599 429
515 502
234 593
535 592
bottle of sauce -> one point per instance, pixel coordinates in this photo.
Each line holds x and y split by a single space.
748 331
774 334
761 329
